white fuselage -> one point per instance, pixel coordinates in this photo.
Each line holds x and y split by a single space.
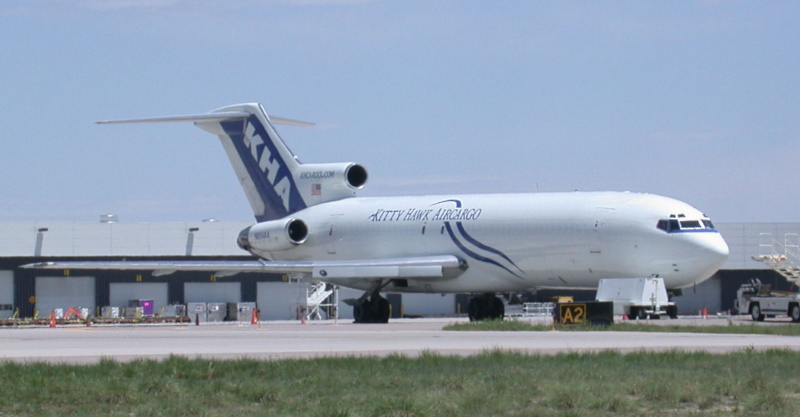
516 242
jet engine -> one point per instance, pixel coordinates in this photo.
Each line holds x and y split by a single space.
273 236
320 183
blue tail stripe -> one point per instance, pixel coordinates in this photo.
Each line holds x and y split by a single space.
259 170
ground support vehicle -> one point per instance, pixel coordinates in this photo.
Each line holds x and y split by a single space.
637 298
760 302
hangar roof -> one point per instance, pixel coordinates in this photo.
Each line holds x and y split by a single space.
219 239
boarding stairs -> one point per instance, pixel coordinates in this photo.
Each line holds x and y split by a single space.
318 295
783 258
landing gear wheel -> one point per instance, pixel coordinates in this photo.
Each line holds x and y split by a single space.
372 310
755 313
794 313
672 312
475 309
498 310
641 314
360 312
382 310
486 307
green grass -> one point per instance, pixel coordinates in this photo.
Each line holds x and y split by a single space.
744 383
514 325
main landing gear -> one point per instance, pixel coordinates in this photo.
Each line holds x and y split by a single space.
371 307
374 309
486 307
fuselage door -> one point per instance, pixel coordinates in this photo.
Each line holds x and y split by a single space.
597 239
331 233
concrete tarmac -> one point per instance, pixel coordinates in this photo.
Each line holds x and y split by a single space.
280 340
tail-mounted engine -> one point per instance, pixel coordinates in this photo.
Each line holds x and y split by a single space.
320 183
273 236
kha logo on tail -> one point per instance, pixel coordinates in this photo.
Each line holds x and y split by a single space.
268 163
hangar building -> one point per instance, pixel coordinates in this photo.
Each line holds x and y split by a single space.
30 291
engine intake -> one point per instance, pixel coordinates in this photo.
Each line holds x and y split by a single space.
356 176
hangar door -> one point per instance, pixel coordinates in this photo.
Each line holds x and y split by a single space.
6 294
279 300
429 304
64 292
706 294
212 292
122 293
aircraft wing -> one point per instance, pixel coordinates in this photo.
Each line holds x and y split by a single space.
421 267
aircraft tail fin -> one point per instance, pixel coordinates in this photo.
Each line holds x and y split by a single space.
275 182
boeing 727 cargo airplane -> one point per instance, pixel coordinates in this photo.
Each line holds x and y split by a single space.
310 222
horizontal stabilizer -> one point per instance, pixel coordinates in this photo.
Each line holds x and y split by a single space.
206 117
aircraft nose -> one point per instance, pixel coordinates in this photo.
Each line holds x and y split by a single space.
713 247
719 247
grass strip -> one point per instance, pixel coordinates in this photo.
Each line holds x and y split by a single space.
518 325
494 383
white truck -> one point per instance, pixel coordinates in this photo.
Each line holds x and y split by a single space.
760 301
638 298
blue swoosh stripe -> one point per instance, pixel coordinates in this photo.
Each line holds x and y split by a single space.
484 246
474 255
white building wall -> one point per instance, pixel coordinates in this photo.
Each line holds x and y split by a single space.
746 240
120 239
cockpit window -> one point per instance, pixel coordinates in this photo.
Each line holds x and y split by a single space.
677 223
691 224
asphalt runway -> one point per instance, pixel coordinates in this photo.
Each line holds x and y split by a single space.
279 340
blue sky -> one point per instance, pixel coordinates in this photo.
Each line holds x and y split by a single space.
696 100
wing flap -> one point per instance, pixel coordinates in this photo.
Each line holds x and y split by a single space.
432 267
417 271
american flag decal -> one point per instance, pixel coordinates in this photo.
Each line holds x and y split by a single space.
316 189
